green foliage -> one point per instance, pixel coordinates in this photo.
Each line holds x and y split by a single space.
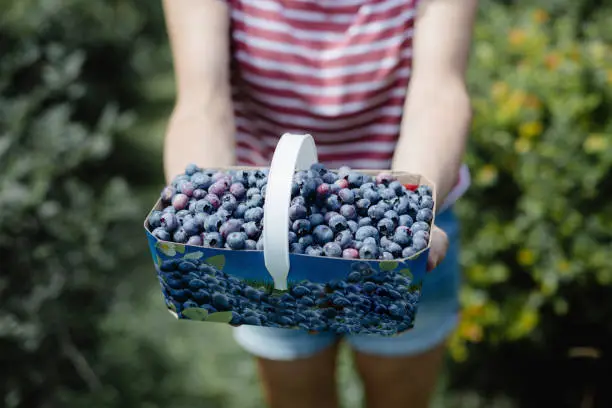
68 73
537 222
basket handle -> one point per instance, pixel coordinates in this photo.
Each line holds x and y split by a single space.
293 152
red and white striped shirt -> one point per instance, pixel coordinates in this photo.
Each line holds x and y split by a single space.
336 69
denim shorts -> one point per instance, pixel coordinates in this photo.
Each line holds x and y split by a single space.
436 318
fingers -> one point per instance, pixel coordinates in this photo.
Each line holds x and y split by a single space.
439 246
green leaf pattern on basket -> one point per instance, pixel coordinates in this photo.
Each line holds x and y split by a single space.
388 265
158 260
171 306
220 317
406 272
169 248
193 256
218 261
195 313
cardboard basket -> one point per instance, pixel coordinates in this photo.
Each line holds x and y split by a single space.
275 288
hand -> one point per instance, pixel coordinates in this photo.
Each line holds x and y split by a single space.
439 246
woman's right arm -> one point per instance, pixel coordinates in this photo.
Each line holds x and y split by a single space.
201 128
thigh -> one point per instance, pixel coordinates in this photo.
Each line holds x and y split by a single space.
297 369
400 381
301 383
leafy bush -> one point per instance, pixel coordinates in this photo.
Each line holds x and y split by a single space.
538 220
68 73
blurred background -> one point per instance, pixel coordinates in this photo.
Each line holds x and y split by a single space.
86 89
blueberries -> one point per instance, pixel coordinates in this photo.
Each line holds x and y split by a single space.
348 211
346 196
296 248
169 222
297 212
155 219
402 236
376 212
179 201
365 232
213 240
254 214
213 223
333 203
314 250
368 251
425 215
426 202
301 227
405 220
344 238
161 233
419 226
424 190
323 234
362 216
251 230
338 223
180 235
386 226
355 179
419 244
316 219
230 226
332 249
408 252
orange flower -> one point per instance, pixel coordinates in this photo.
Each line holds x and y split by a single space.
552 61
540 16
517 37
533 102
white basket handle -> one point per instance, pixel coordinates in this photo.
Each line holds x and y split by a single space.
293 152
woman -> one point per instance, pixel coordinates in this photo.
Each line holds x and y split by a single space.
379 84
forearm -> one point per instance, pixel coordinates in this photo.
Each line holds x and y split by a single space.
433 135
204 137
201 128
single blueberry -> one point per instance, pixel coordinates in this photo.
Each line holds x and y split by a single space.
348 211
161 233
296 248
297 212
368 251
386 227
316 219
427 202
254 214
332 249
169 222
213 240
338 223
425 215
376 212
365 232
363 222
333 203
344 239
180 235
306 241
323 234
424 190
314 250
405 220
301 227
419 226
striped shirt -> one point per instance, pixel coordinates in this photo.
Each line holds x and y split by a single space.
336 69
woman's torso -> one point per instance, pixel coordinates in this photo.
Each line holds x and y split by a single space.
336 69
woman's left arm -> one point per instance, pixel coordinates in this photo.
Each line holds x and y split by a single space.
437 111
